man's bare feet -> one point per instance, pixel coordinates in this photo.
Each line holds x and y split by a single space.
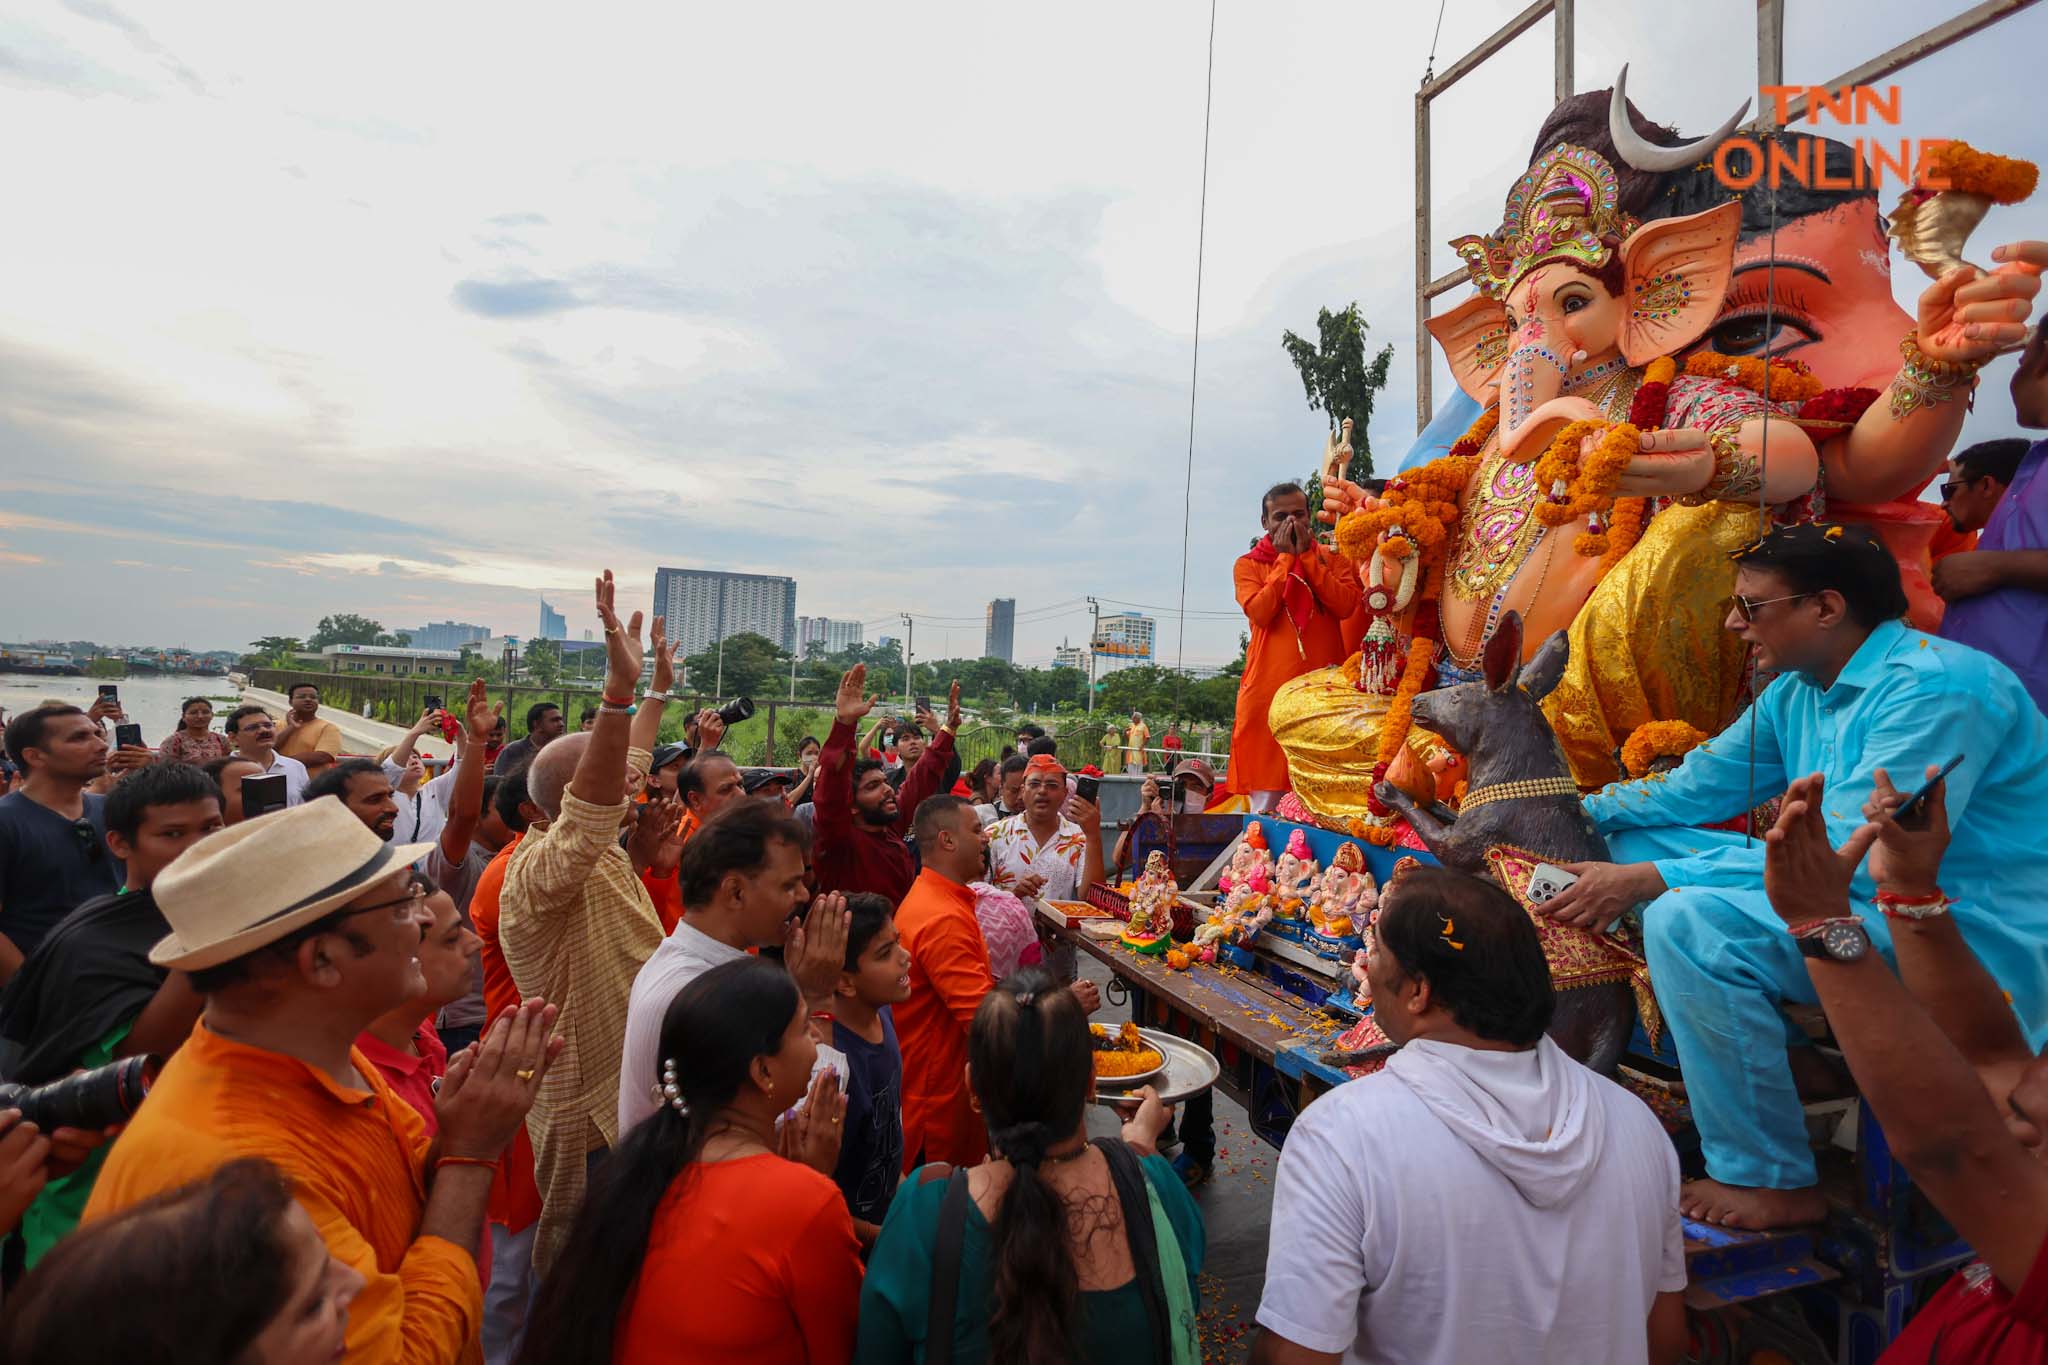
1758 1210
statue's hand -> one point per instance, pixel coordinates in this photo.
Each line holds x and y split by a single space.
1967 316
1673 462
1341 498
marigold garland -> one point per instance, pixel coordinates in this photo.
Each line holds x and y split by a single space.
1790 381
1657 739
1624 529
2001 179
1400 711
1584 488
1422 504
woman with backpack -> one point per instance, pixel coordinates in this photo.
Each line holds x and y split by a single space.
1053 1250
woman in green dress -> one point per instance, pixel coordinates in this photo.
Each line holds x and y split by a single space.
1065 1250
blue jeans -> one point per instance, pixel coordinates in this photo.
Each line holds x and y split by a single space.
1722 964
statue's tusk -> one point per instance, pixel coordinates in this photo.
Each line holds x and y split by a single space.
1645 155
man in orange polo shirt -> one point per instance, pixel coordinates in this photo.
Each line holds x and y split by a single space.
949 974
298 928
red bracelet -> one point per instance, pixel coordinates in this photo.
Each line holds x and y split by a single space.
610 700
1913 907
826 1015
439 1162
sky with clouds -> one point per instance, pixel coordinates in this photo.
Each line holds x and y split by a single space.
427 311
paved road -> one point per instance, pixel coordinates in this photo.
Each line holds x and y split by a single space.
1235 1204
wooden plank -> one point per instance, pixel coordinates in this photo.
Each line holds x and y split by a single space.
1924 44
1240 1008
1500 38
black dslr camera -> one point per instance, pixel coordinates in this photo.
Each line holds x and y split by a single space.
89 1099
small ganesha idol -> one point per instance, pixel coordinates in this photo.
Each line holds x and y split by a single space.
1150 929
1347 895
1294 876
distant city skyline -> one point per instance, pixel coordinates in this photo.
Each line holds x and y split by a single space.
704 606
999 640
553 625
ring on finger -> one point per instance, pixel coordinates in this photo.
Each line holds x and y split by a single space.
524 1073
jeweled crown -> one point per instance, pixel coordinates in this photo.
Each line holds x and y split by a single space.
1565 207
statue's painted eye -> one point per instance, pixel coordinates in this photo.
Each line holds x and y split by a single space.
1575 303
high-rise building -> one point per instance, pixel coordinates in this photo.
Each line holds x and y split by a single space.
553 625
826 635
1001 639
447 635
1123 640
704 606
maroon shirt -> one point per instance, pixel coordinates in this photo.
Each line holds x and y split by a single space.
847 853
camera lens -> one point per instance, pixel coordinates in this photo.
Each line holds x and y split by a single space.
91 1099
736 710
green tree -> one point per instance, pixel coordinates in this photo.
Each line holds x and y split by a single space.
755 666
543 660
1339 381
345 628
397 639
276 651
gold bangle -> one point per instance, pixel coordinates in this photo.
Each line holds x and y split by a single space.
1924 382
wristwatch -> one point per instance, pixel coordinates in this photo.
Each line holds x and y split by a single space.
1842 939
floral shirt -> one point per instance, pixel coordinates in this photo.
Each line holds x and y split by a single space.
182 746
1014 855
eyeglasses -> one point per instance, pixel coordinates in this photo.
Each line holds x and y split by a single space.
89 842
1747 609
414 898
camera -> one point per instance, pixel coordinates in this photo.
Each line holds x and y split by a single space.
89 1099
736 710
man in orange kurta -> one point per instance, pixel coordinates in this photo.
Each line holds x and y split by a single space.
949 974
1296 595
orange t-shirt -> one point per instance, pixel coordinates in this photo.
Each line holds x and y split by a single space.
515 1198
770 1244
356 1162
949 974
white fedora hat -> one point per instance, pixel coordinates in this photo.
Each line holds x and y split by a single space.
255 882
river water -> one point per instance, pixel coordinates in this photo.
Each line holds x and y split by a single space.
154 703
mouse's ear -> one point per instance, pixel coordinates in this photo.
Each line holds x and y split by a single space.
1503 656
1541 674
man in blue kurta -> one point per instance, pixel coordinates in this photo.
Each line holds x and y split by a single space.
1856 691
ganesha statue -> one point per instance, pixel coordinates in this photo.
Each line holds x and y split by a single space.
1613 465
1293 875
1347 896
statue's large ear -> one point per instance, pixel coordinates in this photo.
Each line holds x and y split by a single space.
1541 674
1474 336
1678 271
1503 657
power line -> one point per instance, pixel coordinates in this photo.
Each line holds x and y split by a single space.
1187 496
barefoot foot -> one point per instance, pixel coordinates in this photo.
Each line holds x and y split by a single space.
1758 1210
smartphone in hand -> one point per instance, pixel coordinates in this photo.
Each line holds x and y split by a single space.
1087 788
111 695
1913 803
126 735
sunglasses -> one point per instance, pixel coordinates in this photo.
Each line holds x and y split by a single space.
415 897
1747 609
1949 487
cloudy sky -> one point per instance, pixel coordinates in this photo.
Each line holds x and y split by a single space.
425 311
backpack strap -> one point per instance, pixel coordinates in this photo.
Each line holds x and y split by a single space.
1129 1179
945 1295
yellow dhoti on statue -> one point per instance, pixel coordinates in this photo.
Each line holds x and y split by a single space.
1330 732
1651 644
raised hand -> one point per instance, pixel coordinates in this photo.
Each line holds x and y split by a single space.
1804 875
481 714
1906 859
953 707
623 653
664 656
656 842
1967 316
852 702
813 1135
488 1089
815 950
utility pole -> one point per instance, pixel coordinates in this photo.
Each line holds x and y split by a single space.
1094 633
909 634
792 669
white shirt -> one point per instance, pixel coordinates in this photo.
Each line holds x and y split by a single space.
1013 855
423 815
294 776
1465 1206
681 958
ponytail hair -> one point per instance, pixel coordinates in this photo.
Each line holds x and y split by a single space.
713 1030
1032 1061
